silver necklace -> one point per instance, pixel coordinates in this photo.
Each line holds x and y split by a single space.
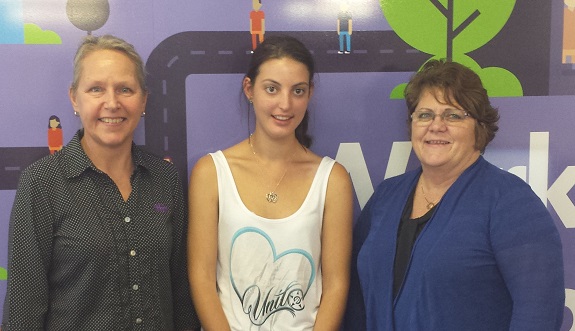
272 196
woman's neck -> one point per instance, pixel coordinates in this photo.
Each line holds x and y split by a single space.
442 177
273 150
109 160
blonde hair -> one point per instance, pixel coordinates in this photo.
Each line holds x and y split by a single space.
92 43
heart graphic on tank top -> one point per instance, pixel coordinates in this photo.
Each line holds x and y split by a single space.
265 281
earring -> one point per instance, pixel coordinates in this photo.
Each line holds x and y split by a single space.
75 113
143 114
251 101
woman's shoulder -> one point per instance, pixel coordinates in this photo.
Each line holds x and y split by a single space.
339 178
47 162
204 175
154 163
338 171
239 150
45 168
204 166
237 155
403 180
494 176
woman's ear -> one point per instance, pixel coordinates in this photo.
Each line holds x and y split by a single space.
311 88
145 100
247 88
72 96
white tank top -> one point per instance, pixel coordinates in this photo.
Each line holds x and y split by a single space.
269 270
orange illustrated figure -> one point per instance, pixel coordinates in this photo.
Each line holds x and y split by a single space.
55 135
257 24
569 32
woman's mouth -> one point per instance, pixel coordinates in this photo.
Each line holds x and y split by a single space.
112 120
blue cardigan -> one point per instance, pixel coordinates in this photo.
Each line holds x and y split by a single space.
490 258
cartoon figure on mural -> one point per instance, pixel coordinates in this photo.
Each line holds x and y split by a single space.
257 24
569 32
55 135
344 28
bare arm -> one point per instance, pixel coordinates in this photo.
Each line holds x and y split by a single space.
335 249
203 245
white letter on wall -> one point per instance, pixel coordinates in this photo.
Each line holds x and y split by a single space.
351 157
559 199
539 163
398 158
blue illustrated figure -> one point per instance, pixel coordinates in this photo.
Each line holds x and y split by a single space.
344 28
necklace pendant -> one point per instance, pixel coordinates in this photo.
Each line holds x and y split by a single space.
430 205
272 197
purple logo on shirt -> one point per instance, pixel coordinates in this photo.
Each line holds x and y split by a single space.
161 208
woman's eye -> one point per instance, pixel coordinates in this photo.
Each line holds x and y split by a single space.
454 115
299 91
425 115
271 89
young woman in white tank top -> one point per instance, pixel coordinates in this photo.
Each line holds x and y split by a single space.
270 221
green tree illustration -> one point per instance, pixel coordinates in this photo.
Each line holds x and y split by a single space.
450 29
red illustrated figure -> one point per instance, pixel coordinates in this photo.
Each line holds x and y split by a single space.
55 135
257 24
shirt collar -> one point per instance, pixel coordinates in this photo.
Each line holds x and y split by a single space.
76 160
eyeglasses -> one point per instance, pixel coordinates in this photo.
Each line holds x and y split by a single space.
449 116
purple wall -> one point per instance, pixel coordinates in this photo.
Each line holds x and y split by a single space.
351 108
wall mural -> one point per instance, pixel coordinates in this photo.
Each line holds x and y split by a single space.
197 51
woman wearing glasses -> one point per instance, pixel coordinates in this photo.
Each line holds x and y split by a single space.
457 244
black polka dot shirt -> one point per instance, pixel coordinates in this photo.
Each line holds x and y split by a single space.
82 258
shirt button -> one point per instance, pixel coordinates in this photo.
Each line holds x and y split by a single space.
133 252
138 320
127 219
135 287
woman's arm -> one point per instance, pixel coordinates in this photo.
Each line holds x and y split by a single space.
185 317
203 245
335 249
29 254
355 317
528 252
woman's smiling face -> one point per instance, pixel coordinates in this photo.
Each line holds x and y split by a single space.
280 95
439 144
108 99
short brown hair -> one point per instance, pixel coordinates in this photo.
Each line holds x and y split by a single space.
459 85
